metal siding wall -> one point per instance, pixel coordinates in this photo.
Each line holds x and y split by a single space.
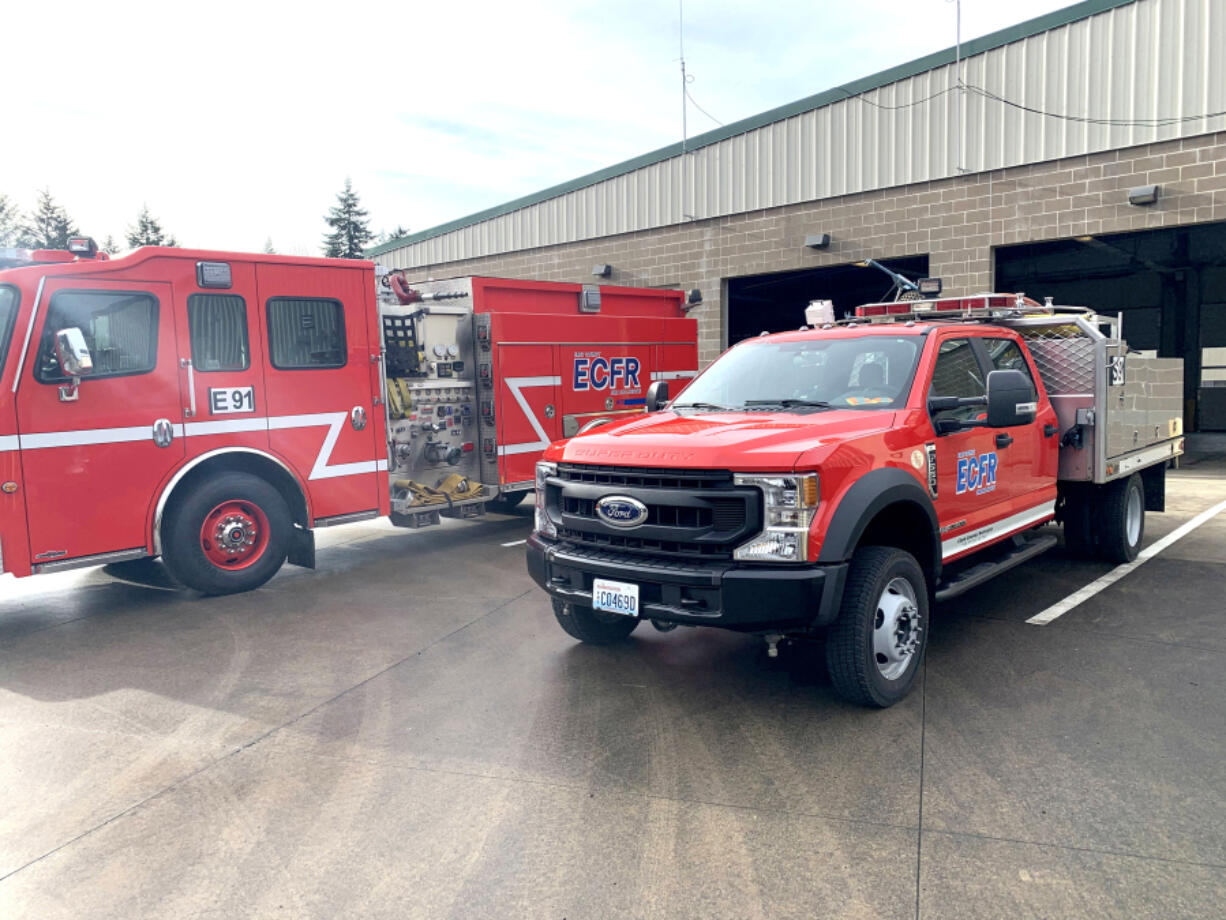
1148 59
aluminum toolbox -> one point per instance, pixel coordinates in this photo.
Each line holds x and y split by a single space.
1118 411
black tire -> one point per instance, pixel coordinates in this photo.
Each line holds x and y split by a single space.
594 627
183 549
1079 537
506 503
1119 538
850 654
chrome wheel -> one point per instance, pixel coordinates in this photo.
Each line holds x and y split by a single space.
1133 516
896 629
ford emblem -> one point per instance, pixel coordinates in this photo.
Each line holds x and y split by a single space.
621 511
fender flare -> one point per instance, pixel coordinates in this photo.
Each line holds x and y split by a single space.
867 496
168 489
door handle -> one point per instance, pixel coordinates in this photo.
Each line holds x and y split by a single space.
163 432
357 418
1049 430
1004 440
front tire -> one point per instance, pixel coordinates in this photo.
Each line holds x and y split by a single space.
595 627
506 503
228 534
875 647
1123 519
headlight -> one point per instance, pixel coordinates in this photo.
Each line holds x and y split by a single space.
788 506
544 525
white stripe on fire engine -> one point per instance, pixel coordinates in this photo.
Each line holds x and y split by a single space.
516 385
986 534
672 375
320 470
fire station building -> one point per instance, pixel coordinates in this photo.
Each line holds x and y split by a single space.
1080 155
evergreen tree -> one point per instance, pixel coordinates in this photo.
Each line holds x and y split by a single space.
49 226
148 231
350 226
268 248
10 222
388 235
109 245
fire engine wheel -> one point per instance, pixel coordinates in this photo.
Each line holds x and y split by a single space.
595 627
875 647
228 535
1123 519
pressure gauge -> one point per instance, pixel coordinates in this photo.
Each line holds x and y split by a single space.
453 350
440 351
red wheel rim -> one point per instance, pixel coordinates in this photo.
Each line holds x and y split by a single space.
234 535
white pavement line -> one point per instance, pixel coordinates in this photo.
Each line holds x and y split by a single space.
1083 595
515 543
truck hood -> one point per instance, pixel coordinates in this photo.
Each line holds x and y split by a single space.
720 440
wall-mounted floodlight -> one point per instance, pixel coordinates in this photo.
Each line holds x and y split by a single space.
818 240
694 297
1143 194
602 271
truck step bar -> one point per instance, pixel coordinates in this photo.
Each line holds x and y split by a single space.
1021 548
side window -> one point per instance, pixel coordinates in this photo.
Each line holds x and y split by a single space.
1006 356
217 325
121 330
306 332
957 373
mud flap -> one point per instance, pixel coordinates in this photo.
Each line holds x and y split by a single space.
302 547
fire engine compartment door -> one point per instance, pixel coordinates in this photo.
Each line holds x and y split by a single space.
318 383
528 412
92 465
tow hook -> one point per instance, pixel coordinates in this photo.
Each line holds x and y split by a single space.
663 625
772 644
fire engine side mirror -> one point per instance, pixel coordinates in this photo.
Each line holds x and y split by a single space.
657 395
1011 399
72 353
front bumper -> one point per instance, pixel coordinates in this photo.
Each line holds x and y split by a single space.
725 594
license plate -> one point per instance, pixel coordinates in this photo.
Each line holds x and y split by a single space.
615 597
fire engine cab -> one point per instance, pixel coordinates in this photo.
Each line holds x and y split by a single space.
842 479
213 408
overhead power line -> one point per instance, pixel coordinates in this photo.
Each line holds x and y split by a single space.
1161 121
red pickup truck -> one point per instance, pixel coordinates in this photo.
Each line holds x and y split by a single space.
842 479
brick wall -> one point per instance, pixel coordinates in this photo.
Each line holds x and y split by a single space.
955 221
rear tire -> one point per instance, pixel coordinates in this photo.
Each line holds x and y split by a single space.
594 627
875 647
228 534
1122 512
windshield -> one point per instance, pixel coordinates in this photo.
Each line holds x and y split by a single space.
866 372
8 312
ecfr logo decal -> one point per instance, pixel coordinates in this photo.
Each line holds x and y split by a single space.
605 373
976 473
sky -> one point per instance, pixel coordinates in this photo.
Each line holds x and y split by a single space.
238 123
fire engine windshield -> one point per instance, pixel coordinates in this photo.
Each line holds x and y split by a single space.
868 372
8 312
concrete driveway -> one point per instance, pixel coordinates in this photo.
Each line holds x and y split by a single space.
406 732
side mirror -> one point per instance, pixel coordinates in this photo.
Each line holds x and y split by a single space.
657 395
72 353
1011 399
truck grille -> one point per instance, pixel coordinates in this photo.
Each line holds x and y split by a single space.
691 514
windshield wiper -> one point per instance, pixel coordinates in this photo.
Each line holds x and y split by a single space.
789 403
701 405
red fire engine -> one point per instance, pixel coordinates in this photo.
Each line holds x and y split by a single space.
213 408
